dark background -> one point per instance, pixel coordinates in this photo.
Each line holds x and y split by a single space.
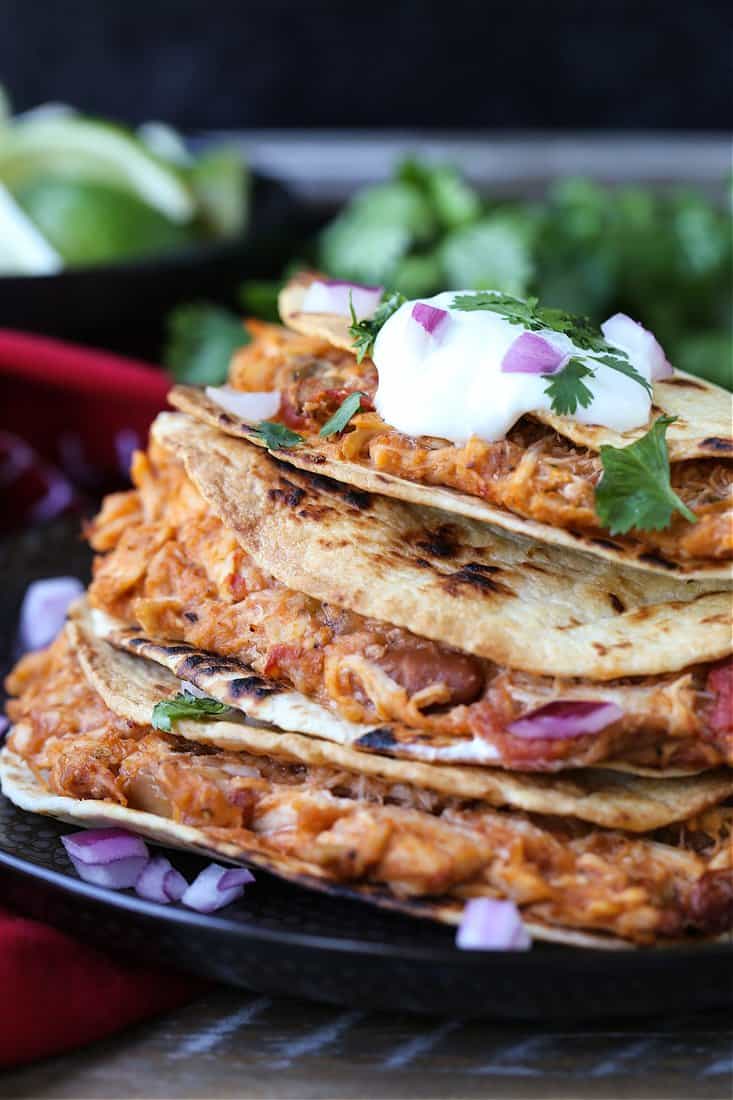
326 63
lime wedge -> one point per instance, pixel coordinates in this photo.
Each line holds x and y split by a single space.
82 148
23 250
93 223
220 182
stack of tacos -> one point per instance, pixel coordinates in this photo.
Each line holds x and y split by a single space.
401 669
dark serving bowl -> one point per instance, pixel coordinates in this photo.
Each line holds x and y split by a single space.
122 306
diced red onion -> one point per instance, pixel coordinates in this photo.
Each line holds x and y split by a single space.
127 441
250 407
235 876
489 924
532 354
159 881
335 296
565 718
58 497
44 608
205 893
175 885
107 857
104 845
117 875
429 317
639 343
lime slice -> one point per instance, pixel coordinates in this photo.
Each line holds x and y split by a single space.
82 148
23 250
220 182
93 223
164 142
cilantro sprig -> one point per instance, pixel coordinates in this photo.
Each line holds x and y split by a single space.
365 332
277 437
349 407
184 705
635 490
566 388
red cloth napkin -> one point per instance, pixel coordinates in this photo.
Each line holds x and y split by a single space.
58 994
69 420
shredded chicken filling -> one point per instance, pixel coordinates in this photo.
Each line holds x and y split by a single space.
358 830
533 471
170 566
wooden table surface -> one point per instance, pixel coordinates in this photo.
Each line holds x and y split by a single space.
231 1043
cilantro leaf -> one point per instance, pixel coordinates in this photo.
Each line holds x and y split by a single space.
184 705
516 311
201 339
635 490
623 365
566 388
365 332
348 408
276 436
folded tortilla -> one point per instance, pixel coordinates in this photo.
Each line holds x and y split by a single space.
521 500
532 607
132 685
230 681
394 844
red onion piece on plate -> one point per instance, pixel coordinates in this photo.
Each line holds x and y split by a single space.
429 317
335 296
43 611
532 354
104 845
639 343
250 407
205 894
235 876
107 857
4 725
159 881
489 924
565 718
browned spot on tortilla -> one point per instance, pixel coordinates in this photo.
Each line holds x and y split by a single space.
476 575
440 543
616 603
607 544
688 382
657 559
600 649
356 498
715 619
716 443
290 494
641 613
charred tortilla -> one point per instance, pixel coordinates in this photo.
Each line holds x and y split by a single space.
174 583
486 592
70 755
539 481
132 685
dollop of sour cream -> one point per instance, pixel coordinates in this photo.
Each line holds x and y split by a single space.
450 383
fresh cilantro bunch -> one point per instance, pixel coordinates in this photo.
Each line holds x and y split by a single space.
664 258
201 339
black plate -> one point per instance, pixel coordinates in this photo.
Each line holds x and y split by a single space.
281 939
